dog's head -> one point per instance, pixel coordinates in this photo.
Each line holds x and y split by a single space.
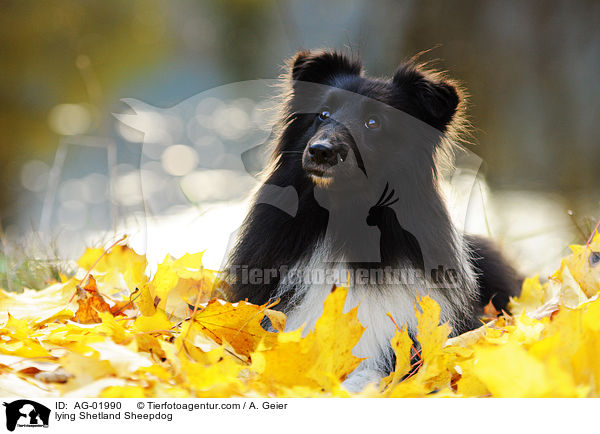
347 127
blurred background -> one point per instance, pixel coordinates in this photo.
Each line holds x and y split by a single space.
72 175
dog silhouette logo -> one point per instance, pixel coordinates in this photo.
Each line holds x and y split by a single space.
26 413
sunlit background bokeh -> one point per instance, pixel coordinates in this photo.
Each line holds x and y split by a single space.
72 174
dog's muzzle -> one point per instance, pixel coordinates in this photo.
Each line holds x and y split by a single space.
324 153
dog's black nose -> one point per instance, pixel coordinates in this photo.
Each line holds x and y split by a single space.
322 153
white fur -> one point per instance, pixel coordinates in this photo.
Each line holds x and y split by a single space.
306 306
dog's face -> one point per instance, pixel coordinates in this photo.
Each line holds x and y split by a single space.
352 127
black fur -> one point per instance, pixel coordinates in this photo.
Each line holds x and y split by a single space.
497 281
271 238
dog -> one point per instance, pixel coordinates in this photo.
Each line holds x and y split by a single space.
362 156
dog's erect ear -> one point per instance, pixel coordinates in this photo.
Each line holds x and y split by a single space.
435 98
322 66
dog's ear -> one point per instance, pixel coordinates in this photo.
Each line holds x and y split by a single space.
435 99
322 66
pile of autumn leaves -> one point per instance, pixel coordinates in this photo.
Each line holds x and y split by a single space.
112 332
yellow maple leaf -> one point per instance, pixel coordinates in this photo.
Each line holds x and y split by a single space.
16 328
120 259
85 369
91 302
219 379
328 335
469 384
509 372
196 285
149 344
189 266
401 344
156 371
112 328
438 359
412 387
163 282
591 315
38 306
532 296
24 348
144 300
238 324
564 285
155 323
584 265
177 284
277 318
430 334
321 359
123 358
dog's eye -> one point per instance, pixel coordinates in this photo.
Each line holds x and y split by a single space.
325 114
373 122
594 259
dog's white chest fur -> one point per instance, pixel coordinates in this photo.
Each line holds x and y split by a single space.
373 308
375 302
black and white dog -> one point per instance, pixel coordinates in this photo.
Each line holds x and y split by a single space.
362 156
